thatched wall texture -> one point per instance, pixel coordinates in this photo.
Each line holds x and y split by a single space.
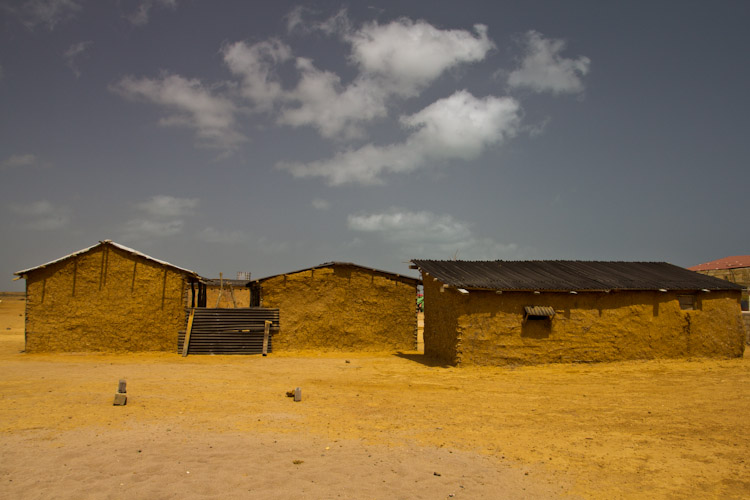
484 328
104 300
342 308
241 297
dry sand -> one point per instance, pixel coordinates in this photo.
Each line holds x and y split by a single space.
388 426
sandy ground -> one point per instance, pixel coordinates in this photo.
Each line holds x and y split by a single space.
388 426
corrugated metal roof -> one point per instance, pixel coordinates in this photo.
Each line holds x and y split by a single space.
732 262
568 275
116 245
401 277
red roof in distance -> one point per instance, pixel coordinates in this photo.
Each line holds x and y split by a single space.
725 263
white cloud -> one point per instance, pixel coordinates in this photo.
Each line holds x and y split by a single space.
164 217
17 161
168 206
195 106
213 235
137 229
395 60
75 51
406 56
459 127
256 65
43 215
46 12
543 69
427 235
319 100
140 16
320 204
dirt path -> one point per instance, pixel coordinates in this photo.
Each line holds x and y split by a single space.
367 427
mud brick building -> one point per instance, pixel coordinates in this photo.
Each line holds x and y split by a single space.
107 297
531 312
340 306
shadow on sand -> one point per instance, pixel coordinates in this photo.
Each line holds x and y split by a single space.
423 360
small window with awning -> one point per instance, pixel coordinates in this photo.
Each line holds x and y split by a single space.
535 313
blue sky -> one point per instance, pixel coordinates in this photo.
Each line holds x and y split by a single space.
231 136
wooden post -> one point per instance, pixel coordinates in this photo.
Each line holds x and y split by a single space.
164 289
132 283
266 331
75 272
231 294
186 342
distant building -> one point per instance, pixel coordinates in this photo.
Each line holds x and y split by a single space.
735 269
340 306
531 312
224 293
107 297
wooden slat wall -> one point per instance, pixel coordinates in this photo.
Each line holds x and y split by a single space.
229 331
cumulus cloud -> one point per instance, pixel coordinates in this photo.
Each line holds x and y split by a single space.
394 60
140 16
168 206
194 106
74 52
459 127
42 215
163 217
256 65
49 13
543 69
406 56
430 235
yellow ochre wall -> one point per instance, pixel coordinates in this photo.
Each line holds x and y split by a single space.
341 308
241 297
484 328
104 300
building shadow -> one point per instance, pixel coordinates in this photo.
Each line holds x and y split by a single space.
423 360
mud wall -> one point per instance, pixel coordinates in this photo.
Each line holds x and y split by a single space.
440 322
587 327
104 300
341 309
746 321
241 297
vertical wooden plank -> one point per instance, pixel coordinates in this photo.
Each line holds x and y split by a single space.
186 342
231 294
266 332
192 292
75 272
101 268
164 288
132 283
106 266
